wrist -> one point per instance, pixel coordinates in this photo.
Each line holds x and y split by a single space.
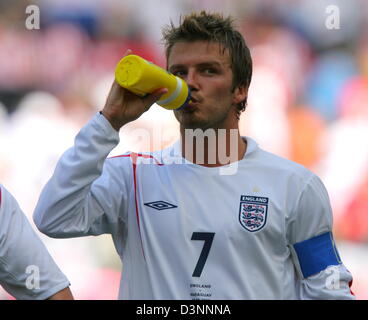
113 122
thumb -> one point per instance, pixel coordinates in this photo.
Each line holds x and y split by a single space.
154 96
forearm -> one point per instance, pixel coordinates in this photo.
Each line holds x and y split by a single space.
62 208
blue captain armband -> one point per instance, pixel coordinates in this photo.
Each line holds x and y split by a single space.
316 254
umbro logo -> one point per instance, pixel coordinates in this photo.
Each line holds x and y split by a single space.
160 205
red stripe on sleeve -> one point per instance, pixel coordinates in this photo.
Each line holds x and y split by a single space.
134 160
134 156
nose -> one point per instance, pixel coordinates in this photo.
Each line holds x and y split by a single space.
191 80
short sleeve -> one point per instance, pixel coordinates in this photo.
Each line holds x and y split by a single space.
27 270
312 214
309 231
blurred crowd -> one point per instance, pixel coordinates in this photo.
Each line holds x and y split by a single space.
308 101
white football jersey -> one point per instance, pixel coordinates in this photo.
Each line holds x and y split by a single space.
27 271
185 231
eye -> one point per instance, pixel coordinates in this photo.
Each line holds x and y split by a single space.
209 71
179 73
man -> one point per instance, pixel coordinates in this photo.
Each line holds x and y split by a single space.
27 271
198 220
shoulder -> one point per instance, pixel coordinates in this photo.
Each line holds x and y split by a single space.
1 194
285 165
157 157
273 163
9 211
136 158
6 199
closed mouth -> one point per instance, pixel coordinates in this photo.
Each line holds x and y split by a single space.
193 100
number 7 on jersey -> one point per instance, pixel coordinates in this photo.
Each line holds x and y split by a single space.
207 237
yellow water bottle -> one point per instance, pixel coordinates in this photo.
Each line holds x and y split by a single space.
142 77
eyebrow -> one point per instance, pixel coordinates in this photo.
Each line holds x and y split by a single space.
201 65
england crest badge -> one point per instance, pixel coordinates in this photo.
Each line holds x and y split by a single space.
253 212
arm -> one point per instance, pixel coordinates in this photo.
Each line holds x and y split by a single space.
77 200
85 195
64 294
322 275
27 271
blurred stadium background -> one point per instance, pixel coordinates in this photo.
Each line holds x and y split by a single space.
308 102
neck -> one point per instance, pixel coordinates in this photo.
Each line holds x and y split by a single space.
212 147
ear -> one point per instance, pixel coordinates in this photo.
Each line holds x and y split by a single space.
240 94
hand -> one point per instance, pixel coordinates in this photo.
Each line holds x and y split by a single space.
122 106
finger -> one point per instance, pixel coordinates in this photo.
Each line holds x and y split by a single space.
116 89
154 96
